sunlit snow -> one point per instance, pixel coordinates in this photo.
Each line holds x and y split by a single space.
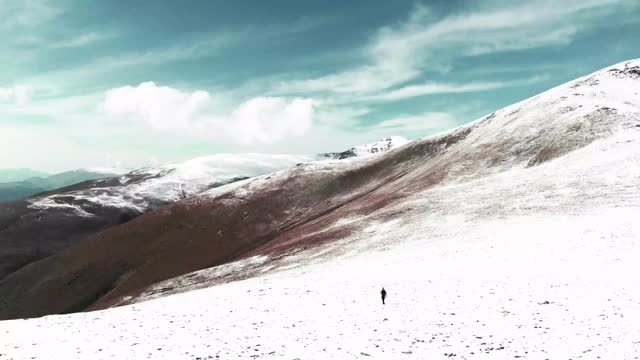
530 262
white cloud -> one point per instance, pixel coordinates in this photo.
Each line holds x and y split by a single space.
365 79
393 65
421 123
260 119
6 94
161 106
26 13
19 95
340 116
80 40
269 119
192 46
444 88
403 52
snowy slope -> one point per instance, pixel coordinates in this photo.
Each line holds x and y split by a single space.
145 189
49 223
482 282
517 239
377 147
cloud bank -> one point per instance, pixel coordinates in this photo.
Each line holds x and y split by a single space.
18 95
260 119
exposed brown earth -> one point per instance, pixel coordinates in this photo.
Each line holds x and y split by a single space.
29 233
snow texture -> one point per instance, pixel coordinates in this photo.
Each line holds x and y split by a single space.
145 189
378 147
529 260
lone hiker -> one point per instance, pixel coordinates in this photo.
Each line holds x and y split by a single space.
383 294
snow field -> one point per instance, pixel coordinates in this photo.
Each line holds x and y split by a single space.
551 298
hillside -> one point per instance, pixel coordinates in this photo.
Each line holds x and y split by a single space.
46 224
564 156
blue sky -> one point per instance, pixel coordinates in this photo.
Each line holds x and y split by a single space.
136 83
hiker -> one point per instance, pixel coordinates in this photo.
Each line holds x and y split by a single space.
383 294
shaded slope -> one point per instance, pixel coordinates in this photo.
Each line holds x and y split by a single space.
18 190
298 208
48 223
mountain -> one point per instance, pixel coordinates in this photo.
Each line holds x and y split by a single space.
36 227
14 190
10 191
71 177
546 186
145 189
18 190
377 147
13 175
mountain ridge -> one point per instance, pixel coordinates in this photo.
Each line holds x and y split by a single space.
304 208
49 222
19 174
11 191
377 147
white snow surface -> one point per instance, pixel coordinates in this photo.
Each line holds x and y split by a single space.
523 263
380 146
141 189
374 148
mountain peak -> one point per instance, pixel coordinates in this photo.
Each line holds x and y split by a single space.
630 68
377 147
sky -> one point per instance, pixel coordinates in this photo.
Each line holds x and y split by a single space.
126 84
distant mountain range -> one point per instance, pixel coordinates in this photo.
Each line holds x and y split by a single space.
30 182
377 147
18 184
13 175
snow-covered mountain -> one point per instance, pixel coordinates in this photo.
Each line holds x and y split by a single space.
145 189
48 223
514 236
374 148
